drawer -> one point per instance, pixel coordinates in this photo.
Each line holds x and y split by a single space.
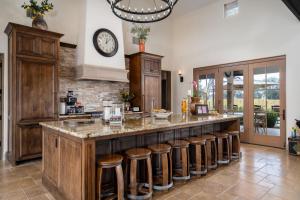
32 45
30 141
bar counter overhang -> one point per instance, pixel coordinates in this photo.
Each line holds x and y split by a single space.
70 152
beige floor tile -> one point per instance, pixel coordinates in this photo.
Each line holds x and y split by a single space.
249 190
35 191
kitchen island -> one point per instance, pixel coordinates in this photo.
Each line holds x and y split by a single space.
70 150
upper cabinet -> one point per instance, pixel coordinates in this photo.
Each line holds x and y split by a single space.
33 59
145 80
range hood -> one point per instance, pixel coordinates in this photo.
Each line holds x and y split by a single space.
90 72
90 64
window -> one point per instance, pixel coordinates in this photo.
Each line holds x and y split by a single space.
231 9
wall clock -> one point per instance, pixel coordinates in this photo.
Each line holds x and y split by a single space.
105 42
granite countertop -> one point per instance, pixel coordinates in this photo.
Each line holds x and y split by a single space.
99 129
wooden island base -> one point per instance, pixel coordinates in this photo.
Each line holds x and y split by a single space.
69 162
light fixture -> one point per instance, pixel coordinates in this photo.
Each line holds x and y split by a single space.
180 76
129 10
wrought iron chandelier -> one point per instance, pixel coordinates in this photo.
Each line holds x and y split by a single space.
132 11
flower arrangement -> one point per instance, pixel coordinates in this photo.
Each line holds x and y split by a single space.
195 87
33 9
140 31
126 96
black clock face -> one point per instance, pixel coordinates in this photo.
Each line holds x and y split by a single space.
105 42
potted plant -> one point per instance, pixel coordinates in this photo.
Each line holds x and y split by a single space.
195 99
126 97
141 32
37 12
271 119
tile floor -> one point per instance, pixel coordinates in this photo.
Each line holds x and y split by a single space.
262 173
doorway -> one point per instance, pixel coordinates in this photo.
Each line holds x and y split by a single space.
1 103
253 89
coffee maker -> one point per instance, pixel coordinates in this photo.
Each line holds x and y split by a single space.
70 102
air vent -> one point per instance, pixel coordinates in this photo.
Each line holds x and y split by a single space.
231 9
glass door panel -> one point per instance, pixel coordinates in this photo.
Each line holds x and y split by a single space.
233 92
268 103
207 88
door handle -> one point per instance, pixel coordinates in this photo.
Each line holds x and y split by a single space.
283 114
56 142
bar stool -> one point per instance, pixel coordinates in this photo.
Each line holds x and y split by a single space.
223 148
211 150
161 166
234 145
198 155
107 162
139 190
180 159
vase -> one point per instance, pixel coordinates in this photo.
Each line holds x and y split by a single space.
39 22
127 106
142 45
194 101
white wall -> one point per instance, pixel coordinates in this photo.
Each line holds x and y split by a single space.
263 28
159 41
97 14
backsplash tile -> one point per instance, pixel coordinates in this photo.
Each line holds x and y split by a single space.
89 92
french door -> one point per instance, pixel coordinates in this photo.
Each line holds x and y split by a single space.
253 89
233 98
267 103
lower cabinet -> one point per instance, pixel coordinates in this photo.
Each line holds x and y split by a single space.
51 157
62 167
30 142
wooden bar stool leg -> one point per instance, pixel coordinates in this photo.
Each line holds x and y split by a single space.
205 160
198 157
133 174
165 169
216 156
220 149
184 162
120 182
149 168
231 146
171 169
100 170
209 154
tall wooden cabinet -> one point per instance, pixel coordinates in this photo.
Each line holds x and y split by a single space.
145 80
33 60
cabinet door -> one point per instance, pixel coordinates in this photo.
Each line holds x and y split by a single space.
36 90
151 66
70 169
50 156
29 138
152 92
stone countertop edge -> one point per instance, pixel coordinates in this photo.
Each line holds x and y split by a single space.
95 132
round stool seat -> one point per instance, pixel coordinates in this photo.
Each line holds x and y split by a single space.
179 143
110 160
233 133
208 137
138 153
221 135
160 148
197 140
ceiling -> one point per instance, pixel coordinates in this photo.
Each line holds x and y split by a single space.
294 6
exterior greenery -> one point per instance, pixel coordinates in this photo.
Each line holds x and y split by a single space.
271 119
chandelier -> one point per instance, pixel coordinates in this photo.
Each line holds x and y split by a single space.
142 11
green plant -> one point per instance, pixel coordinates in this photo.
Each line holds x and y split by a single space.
33 9
140 31
271 119
126 96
